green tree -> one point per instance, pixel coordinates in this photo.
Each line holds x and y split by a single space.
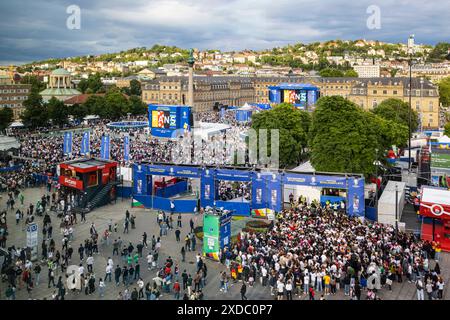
35 114
93 82
137 107
36 85
83 85
444 91
79 111
96 105
447 129
135 88
351 73
331 72
341 138
6 117
57 112
116 105
439 52
293 126
398 111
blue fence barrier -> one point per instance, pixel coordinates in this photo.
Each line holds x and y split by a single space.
238 208
12 168
172 190
181 206
331 199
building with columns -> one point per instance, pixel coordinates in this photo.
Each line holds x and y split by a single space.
59 86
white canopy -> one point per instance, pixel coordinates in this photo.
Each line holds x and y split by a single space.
16 124
246 107
435 195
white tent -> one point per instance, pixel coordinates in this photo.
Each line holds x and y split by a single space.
246 107
16 124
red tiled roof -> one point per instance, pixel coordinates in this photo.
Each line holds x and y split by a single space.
82 98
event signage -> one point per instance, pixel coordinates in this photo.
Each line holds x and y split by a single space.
126 148
440 160
211 245
166 121
67 146
105 147
175 171
32 239
70 182
85 143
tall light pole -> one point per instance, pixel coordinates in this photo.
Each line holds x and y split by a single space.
396 211
410 52
421 106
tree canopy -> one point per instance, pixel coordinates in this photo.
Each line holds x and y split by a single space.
344 137
293 125
444 91
57 112
398 111
331 72
447 129
93 83
6 117
36 113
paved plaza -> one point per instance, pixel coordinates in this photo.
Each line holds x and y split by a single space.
146 222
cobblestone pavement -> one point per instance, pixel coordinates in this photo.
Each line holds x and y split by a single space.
146 221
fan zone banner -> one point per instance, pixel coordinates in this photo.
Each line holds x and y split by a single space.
126 148
85 143
105 148
67 147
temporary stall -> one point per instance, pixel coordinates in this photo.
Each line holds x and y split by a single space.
393 196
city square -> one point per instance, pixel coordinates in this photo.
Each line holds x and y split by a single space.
312 170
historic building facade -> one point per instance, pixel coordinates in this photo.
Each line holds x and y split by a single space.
236 91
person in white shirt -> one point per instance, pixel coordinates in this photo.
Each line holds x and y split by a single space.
280 289
90 263
110 262
109 269
101 287
149 261
289 290
306 283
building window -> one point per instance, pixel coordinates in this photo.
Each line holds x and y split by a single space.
164 96
430 106
417 93
431 93
417 106
394 92
374 103
375 91
384 91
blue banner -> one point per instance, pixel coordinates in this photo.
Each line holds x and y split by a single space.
86 143
232 175
355 201
314 180
126 148
105 148
225 230
67 147
259 190
208 192
174 171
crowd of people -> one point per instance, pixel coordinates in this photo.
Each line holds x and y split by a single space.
230 190
313 250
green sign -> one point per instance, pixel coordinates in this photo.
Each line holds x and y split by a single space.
211 236
440 160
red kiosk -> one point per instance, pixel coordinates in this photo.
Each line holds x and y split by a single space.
435 204
92 181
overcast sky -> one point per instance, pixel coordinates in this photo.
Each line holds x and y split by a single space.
36 29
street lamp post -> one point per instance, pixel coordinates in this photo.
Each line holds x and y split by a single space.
396 211
410 52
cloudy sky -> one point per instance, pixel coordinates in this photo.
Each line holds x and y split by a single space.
37 29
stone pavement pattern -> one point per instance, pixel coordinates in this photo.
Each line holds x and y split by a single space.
146 221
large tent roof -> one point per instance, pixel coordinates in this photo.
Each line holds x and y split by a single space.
436 195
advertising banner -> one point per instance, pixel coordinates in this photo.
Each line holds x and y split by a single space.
440 160
166 121
175 171
259 190
232 175
85 143
274 192
105 148
69 182
32 240
67 146
225 230
207 188
140 183
211 243
314 180
126 148
355 197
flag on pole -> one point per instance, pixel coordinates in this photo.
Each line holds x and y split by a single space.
67 146
104 147
126 148
85 143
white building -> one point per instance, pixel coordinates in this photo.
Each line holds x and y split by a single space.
367 71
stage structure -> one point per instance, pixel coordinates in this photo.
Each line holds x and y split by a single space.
266 188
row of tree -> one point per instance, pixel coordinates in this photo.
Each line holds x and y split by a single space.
111 105
339 136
